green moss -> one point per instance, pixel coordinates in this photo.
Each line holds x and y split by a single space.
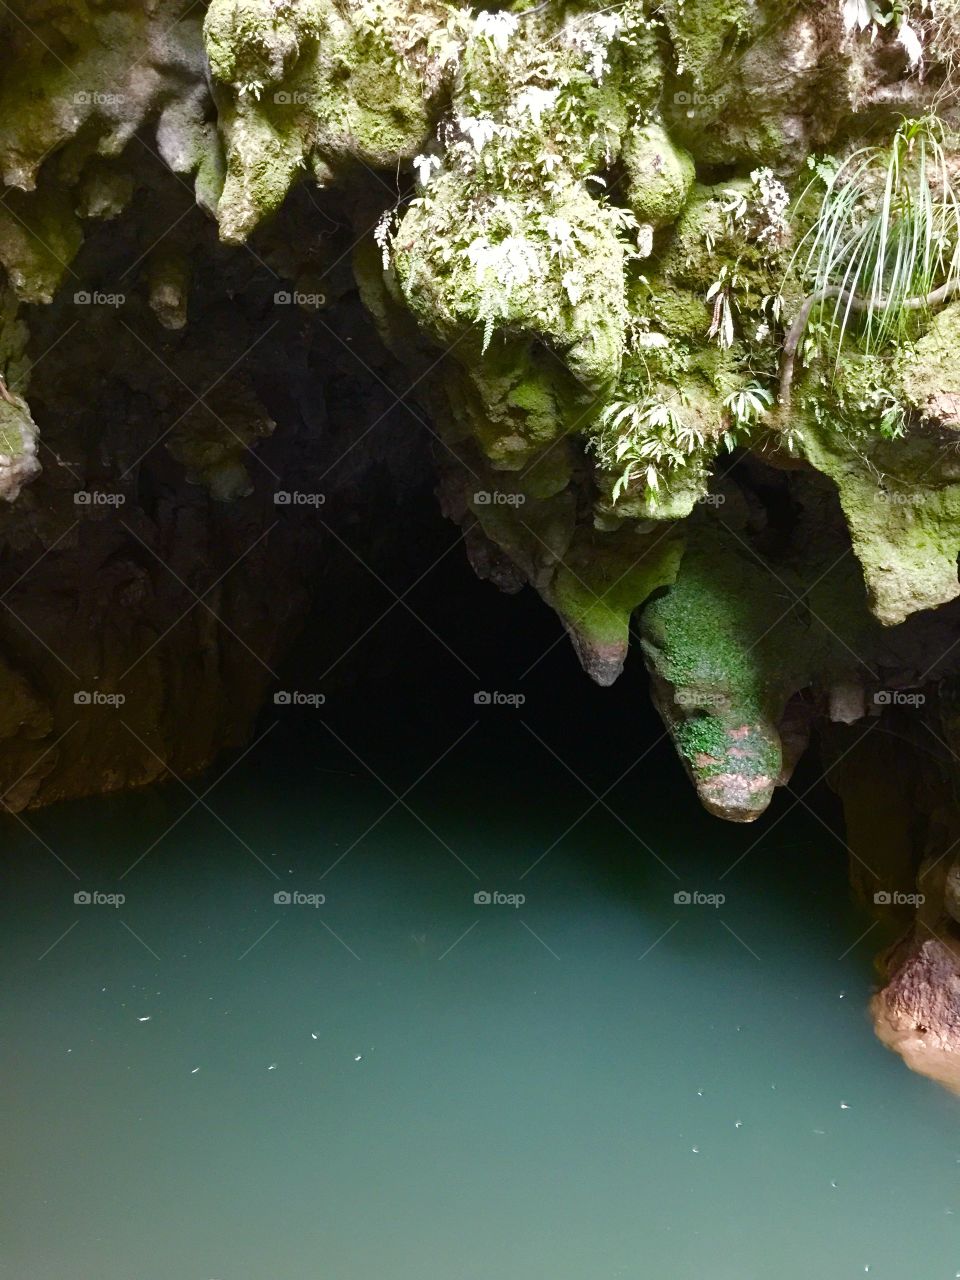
14 423
726 653
532 397
18 447
473 286
459 273
905 531
704 33
702 735
549 472
311 84
251 43
659 175
264 155
931 370
680 313
704 239
39 237
605 577
707 632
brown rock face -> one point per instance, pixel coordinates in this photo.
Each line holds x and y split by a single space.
157 570
918 1012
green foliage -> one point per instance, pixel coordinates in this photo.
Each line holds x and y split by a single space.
887 233
866 400
644 439
745 407
511 194
722 294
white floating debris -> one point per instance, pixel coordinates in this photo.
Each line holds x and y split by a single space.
358 1057
833 1184
699 1093
820 1131
146 1019
695 1150
272 1066
314 1036
738 1124
194 1071
844 1107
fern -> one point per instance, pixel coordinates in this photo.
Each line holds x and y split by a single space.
643 440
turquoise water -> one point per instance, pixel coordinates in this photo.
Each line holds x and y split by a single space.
203 1084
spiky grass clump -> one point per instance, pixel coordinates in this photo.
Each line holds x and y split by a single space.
885 243
887 232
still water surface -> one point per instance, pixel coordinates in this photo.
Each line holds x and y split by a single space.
206 1084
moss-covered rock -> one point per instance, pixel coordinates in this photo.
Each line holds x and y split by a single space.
903 515
725 654
18 446
702 33
659 175
931 371
602 579
315 84
473 285
39 237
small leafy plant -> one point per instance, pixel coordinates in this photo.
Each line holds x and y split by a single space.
644 440
721 295
745 407
874 15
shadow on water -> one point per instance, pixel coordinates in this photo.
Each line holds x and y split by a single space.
575 782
